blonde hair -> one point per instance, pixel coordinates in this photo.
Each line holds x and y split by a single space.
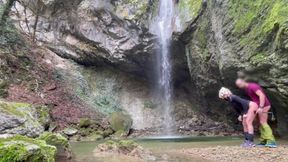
224 92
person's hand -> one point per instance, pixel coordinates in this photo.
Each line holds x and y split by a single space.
245 116
259 111
240 118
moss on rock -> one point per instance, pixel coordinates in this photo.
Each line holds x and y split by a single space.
121 123
121 146
59 141
188 10
22 118
258 19
84 122
43 115
20 149
3 88
54 139
132 9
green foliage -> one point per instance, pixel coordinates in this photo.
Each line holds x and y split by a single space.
20 149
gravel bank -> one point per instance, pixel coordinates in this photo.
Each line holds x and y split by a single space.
238 154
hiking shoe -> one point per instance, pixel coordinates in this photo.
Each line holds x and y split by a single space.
244 143
271 144
261 144
248 144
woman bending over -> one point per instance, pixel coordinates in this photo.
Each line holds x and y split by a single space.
247 112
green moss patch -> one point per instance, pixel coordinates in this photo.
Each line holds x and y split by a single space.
84 122
257 18
54 139
188 10
121 123
13 108
258 58
20 149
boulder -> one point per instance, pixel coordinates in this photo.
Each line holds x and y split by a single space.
70 131
84 122
22 118
121 123
60 142
20 148
124 147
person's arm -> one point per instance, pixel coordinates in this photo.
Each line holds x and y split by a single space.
261 98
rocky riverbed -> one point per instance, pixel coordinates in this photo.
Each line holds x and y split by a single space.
238 154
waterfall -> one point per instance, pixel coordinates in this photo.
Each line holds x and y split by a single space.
163 28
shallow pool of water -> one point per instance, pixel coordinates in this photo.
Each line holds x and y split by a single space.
166 149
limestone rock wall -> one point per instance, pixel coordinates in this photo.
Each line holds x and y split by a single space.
231 37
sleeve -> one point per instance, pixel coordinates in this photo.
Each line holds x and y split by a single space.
255 88
236 99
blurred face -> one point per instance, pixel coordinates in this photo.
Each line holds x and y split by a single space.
240 83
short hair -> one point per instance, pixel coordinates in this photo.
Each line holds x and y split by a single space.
224 92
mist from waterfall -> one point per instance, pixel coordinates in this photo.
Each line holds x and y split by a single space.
163 28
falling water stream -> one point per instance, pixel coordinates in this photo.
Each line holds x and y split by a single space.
163 27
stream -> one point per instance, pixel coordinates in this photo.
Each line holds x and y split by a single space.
166 149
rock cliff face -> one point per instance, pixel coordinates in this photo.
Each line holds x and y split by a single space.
93 32
213 42
231 37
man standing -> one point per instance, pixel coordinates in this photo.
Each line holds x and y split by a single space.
257 95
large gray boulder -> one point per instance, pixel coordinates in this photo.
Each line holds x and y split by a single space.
121 123
22 118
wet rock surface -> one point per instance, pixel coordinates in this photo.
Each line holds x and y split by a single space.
124 147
